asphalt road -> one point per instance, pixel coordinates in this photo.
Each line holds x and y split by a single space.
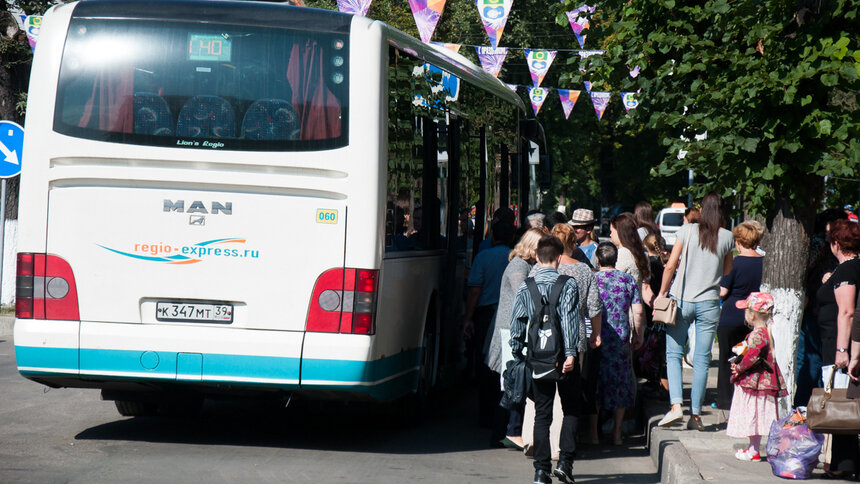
70 435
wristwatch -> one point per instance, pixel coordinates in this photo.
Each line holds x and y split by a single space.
841 350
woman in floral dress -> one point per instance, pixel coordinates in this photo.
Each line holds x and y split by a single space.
619 293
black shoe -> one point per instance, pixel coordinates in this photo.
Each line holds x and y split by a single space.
542 477
695 423
564 472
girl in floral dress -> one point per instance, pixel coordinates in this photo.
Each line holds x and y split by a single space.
619 293
757 379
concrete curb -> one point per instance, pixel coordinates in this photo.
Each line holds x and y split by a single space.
669 455
6 324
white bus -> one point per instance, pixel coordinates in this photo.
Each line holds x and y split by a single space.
248 198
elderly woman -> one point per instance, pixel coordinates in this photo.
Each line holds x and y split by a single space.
619 293
743 279
836 303
521 260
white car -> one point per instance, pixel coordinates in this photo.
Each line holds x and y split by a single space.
669 221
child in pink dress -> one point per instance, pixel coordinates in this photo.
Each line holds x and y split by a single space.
757 379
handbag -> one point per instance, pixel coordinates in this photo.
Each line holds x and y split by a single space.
666 308
830 411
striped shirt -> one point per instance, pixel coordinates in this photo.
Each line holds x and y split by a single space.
568 311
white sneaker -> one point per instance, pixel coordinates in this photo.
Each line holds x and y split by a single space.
671 417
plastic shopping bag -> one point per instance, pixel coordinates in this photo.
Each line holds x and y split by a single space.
792 448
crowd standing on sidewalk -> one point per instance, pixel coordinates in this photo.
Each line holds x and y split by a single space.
553 283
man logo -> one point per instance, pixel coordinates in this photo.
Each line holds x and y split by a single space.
196 220
198 207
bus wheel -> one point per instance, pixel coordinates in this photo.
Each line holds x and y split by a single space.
427 371
134 408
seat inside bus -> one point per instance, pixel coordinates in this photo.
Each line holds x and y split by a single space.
206 116
152 115
271 119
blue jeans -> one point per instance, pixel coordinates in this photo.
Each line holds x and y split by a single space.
706 314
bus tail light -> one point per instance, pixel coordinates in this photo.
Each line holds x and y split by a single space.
45 288
344 301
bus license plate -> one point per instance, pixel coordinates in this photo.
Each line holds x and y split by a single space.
220 313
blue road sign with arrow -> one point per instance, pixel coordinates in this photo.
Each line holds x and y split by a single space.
11 147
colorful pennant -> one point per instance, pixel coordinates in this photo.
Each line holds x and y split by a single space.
537 95
587 86
539 62
568 100
492 58
629 100
600 101
356 7
579 21
512 87
34 25
494 15
426 13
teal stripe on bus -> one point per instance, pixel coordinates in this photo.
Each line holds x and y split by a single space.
399 371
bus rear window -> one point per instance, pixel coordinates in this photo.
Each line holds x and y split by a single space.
203 86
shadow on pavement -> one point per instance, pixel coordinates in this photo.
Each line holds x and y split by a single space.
449 425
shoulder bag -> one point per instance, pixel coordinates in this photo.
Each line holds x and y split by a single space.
666 308
830 411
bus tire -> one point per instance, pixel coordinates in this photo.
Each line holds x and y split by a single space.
428 363
135 408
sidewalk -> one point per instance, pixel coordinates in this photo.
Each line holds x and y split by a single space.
684 456
6 323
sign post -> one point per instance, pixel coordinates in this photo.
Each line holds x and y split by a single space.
11 147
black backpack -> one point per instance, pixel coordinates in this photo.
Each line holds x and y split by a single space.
545 346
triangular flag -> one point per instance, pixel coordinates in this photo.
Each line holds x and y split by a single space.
494 15
568 100
454 47
426 14
585 54
34 25
579 21
634 73
539 62
587 86
357 7
537 95
629 100
600 101
492 58
512 87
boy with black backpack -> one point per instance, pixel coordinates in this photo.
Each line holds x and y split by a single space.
545 308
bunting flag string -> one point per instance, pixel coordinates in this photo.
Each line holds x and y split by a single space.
34 26
579 21
580 52
357 7
537 95
538 62
494 15
426 14
492 58
568 100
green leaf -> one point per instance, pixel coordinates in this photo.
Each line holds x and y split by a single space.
750 144
824 127
805 100
829 79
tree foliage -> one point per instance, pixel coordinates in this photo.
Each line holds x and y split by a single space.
773 86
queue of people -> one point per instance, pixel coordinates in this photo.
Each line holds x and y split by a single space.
607 335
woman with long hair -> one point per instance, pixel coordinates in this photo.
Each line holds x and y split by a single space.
644 215
521 259
707 252
632 258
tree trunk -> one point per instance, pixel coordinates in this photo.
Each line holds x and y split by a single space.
786 243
